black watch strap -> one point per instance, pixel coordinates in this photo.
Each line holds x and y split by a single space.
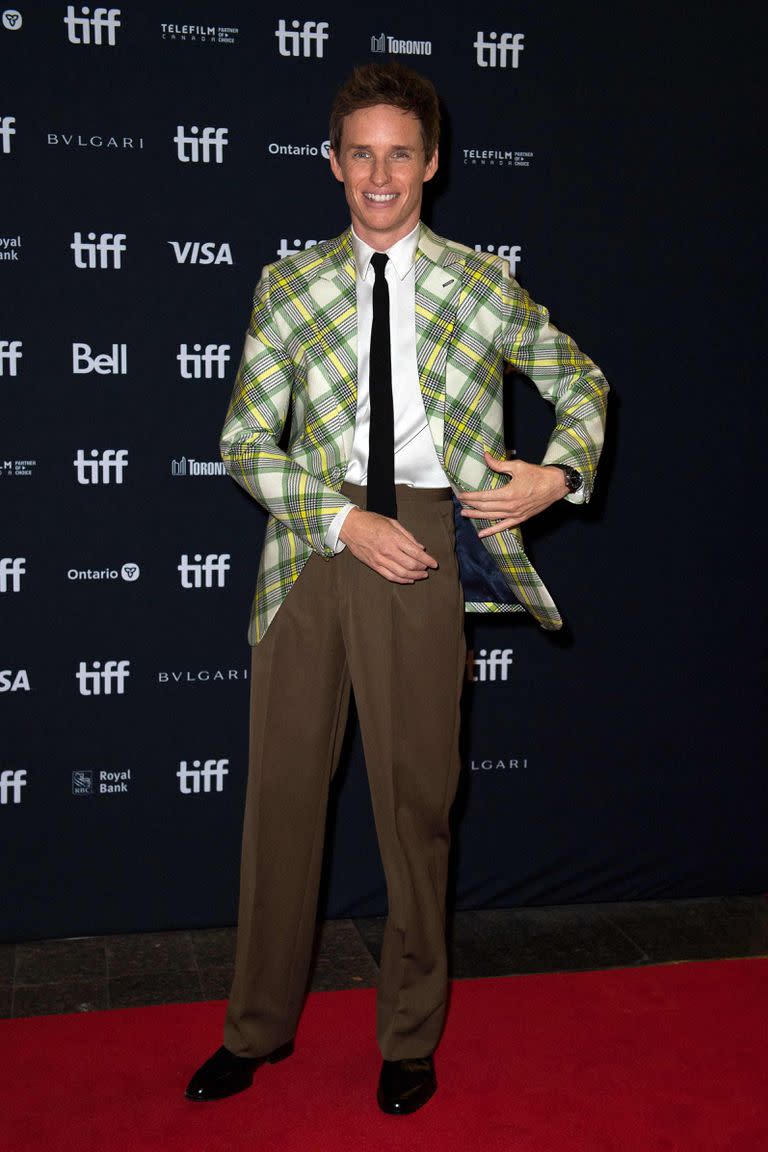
573 479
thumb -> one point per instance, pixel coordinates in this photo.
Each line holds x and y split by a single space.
495 464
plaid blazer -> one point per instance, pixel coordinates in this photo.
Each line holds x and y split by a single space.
300 358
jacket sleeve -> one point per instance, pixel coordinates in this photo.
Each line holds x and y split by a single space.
254 425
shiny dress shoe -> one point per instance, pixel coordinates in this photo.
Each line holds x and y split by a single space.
404 1085
224 1074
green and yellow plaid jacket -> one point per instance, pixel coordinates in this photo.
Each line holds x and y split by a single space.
300 357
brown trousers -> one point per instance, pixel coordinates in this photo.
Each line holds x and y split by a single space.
401 649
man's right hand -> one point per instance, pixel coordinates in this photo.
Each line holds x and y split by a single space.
386 547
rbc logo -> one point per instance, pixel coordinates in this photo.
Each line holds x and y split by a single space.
196 148
10 354
106 252
202 775
491 54
301 43
87 29
98 680
510 252
284 250
6 131
99 469
12 568
193 252
200 363
11 784
199 573
486 664
114 364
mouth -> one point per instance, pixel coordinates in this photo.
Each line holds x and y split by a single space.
381 197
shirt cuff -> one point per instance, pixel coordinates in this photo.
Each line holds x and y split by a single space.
332 535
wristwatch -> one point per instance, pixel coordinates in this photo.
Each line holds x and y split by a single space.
573 479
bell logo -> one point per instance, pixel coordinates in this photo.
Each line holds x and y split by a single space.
510 252
6 131
10 354
11 784
193 252
87 29
200 573
285 250
104 252
495 53
107 364
12 568
101 467
11 681
486 664
197 148
200 363
306 39
202 776
99 681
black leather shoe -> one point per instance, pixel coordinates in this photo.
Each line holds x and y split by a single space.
404 1085
224 1074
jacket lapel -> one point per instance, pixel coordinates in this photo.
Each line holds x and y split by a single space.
438 281
334 320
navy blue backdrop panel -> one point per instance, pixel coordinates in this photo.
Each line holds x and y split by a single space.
153 157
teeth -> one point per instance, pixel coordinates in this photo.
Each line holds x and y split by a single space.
381 197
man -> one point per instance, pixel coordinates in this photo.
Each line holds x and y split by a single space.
387 346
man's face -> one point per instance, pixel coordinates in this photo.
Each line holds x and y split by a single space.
382 165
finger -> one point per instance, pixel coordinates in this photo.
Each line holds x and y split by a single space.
491 512
510 522
412 547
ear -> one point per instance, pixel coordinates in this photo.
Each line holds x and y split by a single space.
431 167
335 166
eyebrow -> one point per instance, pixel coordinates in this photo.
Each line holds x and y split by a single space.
401 147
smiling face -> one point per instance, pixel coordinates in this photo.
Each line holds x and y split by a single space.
382 166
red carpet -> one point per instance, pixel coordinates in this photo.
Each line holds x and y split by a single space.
656 1059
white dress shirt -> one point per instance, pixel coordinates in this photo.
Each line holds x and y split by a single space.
416 461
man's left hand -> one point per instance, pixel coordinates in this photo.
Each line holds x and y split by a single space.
530 489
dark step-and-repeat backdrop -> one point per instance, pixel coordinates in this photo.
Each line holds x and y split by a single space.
153 157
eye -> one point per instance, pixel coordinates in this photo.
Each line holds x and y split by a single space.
401 154
360 154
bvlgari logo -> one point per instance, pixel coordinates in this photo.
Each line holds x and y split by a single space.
97 140
203 676
514 764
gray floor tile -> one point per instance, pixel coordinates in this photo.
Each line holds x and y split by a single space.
341 958
213 946
148 952
7 963
371 932
59 961
67 996
6 1000
216 981
694 929
138 988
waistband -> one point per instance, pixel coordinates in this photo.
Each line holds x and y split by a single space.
405 494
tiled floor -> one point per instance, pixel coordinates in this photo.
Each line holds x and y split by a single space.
121 971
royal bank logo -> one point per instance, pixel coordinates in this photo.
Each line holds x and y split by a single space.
203 363
489 664
201 252
107 783
12 568
12 19
200 145
189 466
499 51
496 158
82 783
10 247
6 131
286 249
114 363
202 776
508 252
98 28
200 33
398 47
10 355
11 784
204 572
107 679
107 467
512 764
127 572
303 39
14 681
110 143
274 148
103 251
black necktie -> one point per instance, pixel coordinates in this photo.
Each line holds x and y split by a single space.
381 444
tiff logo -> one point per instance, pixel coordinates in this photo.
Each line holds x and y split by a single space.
6 131
87 29
510 252
486 664
301 43
98 680
502 54
201 776
285 250
196 148
199 364
99 469
106 252
199 573
106 364
12 568
11 784
10 354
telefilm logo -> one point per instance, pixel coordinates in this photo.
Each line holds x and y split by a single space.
202 776
286 250
499 51
104 251
105 467
509 252
203 676
201 252
489 664
10 247
11 784
127 572
105 679
203 363
114 363
12 568
110 143
208 572
11 681
17 469
497 158
513 764
12 19
277 149
10 355
98 28
304 39
6 131
200 33
397 47
201 146
189 466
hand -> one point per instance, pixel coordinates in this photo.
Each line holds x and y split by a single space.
531 488
386 547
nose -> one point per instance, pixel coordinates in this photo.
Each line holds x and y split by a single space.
380 173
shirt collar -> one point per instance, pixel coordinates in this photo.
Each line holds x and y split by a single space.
402 254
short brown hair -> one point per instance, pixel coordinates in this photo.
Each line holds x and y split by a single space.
389 83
